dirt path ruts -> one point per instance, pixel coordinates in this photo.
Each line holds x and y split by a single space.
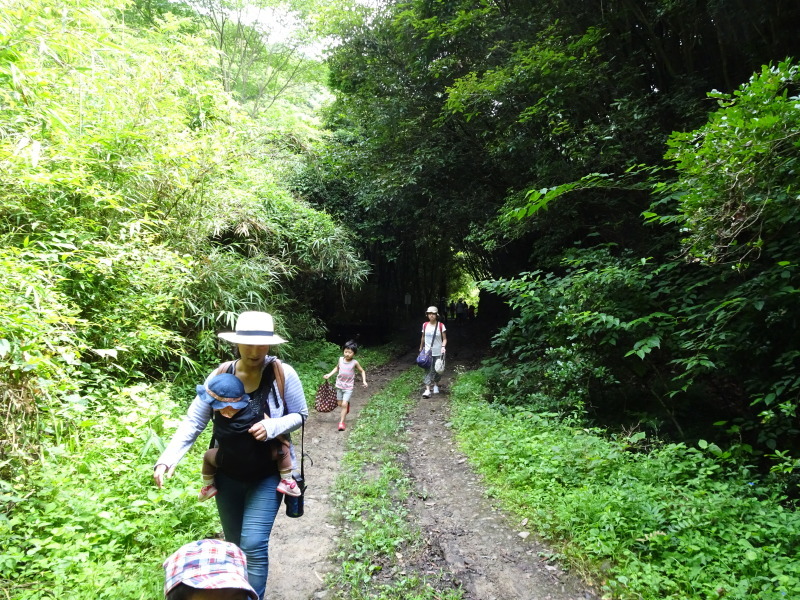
481 546
300 548
467 535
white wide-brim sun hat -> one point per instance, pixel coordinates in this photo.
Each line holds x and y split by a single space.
253 328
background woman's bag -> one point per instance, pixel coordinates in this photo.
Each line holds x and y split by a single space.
424 359
439 366
325 400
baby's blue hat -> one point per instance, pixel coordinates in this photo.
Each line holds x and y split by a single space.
223 390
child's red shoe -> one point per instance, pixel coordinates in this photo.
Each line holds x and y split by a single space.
289 487
206 492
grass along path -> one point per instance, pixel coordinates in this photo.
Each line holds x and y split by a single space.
379 546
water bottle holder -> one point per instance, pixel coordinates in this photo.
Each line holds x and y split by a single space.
295 504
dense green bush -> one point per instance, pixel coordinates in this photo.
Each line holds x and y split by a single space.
737 193
701 335
646 520
557 346
40 349
85 521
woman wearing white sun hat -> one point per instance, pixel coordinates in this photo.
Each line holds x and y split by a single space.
434 339
247 503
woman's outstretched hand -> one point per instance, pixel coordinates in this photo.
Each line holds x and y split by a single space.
162 472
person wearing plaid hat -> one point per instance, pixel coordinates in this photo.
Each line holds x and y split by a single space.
247 498
233 417
207 570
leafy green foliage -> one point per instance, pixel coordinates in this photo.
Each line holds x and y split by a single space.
570 332
736 202
699 337
139 204
449 111
39 349
84 522
263 50
737 172
668 521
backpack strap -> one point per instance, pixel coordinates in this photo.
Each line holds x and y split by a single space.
224 367
303 453
280 379
277 366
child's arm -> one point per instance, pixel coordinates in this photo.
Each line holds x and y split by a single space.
335 369
363 373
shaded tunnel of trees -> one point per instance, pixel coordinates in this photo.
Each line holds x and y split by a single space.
452 119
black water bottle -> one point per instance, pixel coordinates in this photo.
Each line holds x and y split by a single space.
294 504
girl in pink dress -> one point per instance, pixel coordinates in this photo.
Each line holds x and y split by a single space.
345 380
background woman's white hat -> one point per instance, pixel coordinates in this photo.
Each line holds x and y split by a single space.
432 309
253 328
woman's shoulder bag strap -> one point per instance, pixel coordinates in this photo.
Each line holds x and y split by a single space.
435 329
280 379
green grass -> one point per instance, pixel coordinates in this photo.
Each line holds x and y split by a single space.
85 521
663 521
372 490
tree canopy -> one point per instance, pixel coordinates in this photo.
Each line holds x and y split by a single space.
623 173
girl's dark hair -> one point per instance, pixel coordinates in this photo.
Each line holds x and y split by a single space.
351 345
186 592
181 592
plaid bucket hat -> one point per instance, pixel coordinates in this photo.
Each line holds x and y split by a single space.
208 565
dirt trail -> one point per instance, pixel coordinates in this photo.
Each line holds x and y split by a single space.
466 534
300 548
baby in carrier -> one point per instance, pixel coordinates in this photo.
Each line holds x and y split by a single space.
233 417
